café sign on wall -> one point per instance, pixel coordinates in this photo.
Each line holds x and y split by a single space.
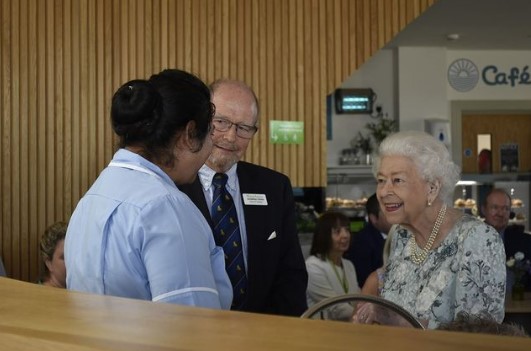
497 75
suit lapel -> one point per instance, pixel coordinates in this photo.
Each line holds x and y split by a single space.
254 223
254 215
245 184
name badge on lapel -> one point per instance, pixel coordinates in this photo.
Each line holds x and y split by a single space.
254 199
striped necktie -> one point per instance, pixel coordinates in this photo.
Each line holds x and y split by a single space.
227 235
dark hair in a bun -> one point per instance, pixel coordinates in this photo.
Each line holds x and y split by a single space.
152 113
135 110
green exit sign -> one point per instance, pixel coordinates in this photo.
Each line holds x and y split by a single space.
286 132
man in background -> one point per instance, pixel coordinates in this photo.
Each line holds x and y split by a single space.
274 276
497 211
366 249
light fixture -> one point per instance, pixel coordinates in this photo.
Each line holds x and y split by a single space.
467 183
453 36
354 100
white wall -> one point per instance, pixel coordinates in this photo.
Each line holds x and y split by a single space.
412 85
421 86
377 74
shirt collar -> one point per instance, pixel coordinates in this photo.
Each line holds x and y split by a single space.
126 156
206 174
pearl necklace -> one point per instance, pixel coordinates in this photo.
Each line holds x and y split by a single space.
418 255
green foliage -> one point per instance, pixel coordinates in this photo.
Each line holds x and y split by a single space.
378 131
381 129
361 142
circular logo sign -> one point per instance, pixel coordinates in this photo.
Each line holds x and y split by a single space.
463 75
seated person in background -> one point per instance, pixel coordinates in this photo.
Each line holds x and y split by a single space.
366 248
52 250
465 322
374 282
496 209
442 261
329 274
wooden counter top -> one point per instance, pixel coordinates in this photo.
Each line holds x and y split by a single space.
34 317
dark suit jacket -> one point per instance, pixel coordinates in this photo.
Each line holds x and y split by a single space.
366 252
277 277
515 239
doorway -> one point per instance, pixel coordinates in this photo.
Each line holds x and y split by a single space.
510 139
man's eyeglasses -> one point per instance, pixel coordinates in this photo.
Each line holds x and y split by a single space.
496 208
242 130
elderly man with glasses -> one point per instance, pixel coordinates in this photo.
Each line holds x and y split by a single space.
497 211
262 253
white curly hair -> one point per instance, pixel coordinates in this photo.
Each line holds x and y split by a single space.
431 157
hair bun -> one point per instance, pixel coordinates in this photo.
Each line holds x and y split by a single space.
135 109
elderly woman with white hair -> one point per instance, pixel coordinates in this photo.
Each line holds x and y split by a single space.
442 261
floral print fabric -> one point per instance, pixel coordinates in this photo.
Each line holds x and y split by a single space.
465 273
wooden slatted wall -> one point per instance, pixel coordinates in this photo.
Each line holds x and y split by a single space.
61 60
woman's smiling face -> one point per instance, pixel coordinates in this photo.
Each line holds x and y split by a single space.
401 191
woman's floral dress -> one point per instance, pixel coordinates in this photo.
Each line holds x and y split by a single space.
465 273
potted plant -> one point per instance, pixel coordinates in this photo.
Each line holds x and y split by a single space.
381 129
364 144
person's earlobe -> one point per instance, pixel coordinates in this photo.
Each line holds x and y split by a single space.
435 186
48 264
372 218
190 137
433 191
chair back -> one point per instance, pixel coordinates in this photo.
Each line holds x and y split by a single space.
390 313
